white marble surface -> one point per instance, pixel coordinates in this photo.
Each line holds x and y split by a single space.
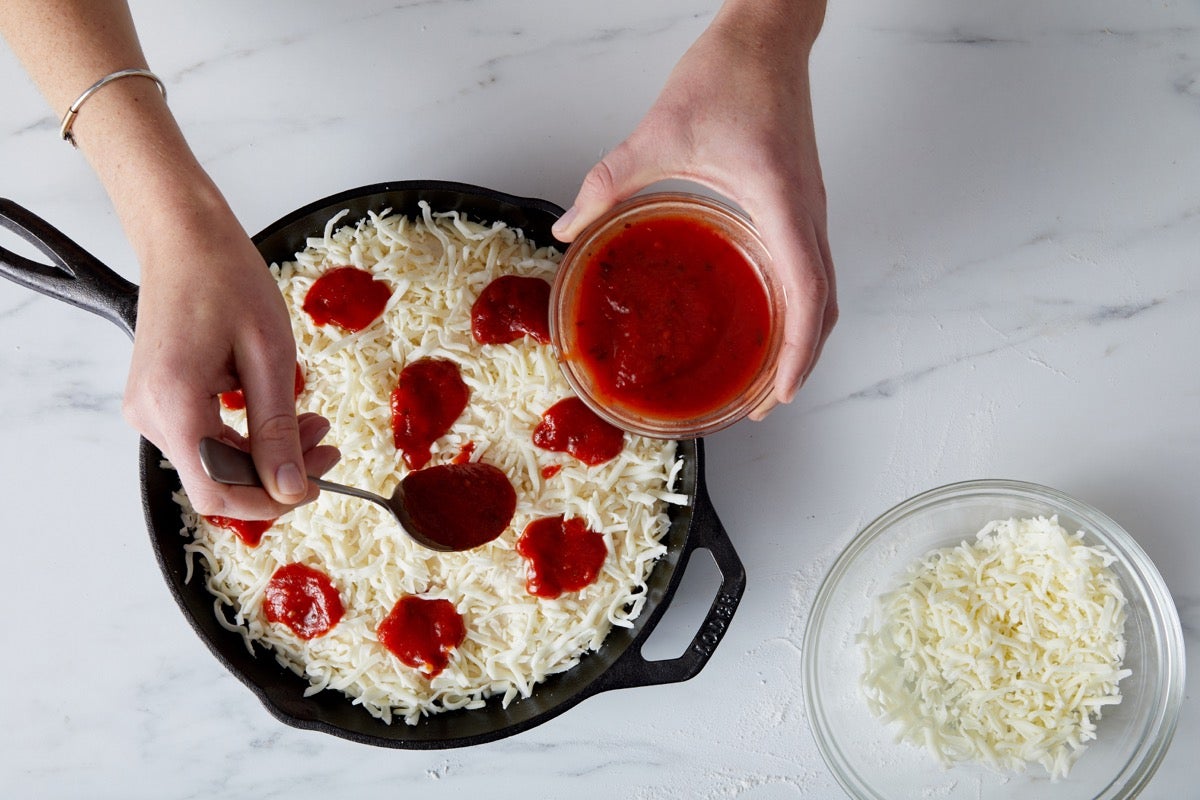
1015 216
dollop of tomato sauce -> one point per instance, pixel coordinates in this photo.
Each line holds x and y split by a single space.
236 400
464 454
569 426
428 398
422 632
550 470
249 531
460 505
348 297
671 318
511 307
562 555
304 599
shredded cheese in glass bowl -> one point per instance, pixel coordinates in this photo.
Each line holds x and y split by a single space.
993 639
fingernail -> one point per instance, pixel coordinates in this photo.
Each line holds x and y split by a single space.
565 221
290 481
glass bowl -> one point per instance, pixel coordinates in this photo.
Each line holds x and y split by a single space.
689 316
861 750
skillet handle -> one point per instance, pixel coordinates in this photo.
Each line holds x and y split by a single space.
74 276
707 533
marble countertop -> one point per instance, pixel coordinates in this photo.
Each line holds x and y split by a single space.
1014 201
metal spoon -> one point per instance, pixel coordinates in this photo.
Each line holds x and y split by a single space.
227 464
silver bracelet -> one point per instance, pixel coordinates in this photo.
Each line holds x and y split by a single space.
69 118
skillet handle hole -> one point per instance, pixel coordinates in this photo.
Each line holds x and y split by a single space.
14 244
689 605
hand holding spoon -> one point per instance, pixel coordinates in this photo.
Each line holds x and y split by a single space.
446 508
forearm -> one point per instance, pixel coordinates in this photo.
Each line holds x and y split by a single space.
65 45
785 27
125 130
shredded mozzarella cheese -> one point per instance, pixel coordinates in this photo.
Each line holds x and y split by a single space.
437 265
1003 651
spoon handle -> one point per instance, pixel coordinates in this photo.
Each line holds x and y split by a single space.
352 491
226 464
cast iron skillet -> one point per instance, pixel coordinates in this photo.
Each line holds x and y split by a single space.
78 278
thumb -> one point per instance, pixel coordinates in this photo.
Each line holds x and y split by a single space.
619 174
274 430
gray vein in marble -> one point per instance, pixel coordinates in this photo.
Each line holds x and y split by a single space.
889 387
1122 312
968 36
18 308
1188 607
604 35
78 398
1189 85
68 391
653 30
291 39
488 72
1174 33
962 37
38 126
1181 222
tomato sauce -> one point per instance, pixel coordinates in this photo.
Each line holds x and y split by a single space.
428 398
464 454
249 531
569 426
304 599
460 505
236 399
562 555
422 632
348 297
511 307
672 320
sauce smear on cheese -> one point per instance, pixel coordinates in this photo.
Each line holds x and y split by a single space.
428 398
249 531
511 307
304 599
348 297
562 555
235 400
569 426
422 632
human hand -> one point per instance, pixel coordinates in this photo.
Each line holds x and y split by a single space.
211 319
736 116
210 315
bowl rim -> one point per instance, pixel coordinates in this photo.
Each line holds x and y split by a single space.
714 211
1147 582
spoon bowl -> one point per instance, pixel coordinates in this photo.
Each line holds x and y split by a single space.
447 508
